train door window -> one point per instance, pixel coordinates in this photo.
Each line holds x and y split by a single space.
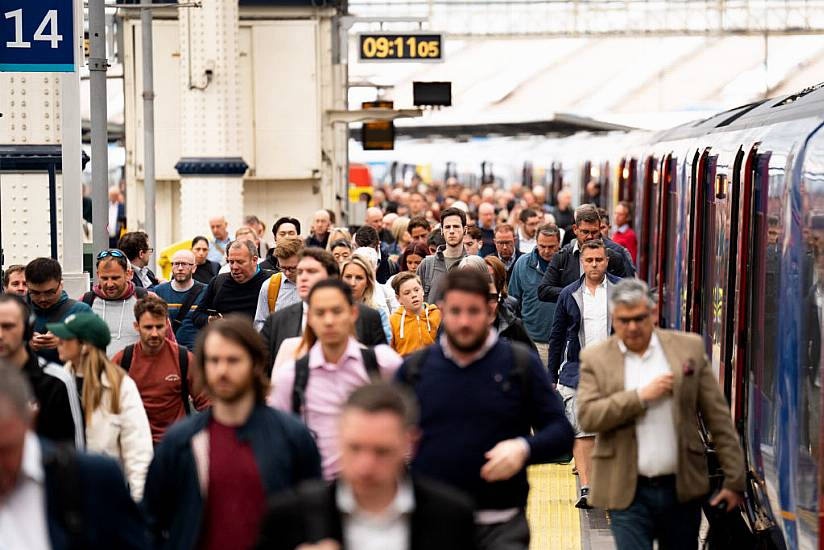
694 195
738 224
756 345
626 179
706 286
666 245
647 220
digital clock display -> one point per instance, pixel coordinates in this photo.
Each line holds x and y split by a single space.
417 47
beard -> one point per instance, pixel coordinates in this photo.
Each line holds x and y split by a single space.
469 345
229 392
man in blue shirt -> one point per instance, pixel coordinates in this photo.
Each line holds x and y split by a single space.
487 411
182 292
523 286
220 232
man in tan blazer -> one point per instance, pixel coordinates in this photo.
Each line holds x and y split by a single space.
640 392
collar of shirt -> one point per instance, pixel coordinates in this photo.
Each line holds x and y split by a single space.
575 248
32 466
524 239
602 285
653 343
403 503
448 352
623 228
317 360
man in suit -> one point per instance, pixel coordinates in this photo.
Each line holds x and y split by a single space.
374 503
565 267
135 245
315 264
54 498
640 391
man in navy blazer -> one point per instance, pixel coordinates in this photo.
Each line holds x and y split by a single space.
54 497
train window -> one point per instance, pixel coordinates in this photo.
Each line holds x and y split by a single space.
648 234
691 306
712 243
666 241
731 297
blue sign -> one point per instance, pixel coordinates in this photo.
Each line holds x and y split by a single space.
37 36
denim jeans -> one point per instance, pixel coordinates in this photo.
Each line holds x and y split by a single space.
656 514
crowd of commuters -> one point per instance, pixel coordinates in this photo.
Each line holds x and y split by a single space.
381 386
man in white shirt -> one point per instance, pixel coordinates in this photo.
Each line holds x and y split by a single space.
582 319
641 391
374 504
32 471
528 230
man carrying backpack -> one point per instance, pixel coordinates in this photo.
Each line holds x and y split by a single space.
487 411
160 368
336 364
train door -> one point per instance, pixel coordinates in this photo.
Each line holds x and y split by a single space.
646 220
699 219
665 262
739 210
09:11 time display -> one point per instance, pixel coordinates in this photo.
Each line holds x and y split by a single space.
397 47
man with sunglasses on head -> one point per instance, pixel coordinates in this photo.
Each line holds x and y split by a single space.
49 303
565 267
113 299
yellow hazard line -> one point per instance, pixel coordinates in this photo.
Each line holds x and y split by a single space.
554 521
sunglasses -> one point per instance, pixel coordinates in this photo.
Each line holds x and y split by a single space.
113 253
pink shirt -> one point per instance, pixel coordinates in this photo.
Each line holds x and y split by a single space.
326 392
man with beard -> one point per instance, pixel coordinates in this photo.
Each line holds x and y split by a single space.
470 374
160 369
113 299
183 295
213 472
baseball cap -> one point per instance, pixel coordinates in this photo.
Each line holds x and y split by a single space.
83 326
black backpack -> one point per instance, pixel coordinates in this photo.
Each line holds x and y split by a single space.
89 297
183 357
370 362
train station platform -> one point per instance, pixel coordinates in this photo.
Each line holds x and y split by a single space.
554 521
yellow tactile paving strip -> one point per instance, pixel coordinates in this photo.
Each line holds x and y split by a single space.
554 521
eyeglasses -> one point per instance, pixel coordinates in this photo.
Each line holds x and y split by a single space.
626 321
588 232
181 264
289 268
51 292
114 253
505 243
149 250
492 296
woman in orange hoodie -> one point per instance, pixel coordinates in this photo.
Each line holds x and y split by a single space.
414 324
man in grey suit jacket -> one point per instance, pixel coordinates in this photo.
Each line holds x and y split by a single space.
315 264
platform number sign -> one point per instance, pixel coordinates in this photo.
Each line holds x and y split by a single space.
37 36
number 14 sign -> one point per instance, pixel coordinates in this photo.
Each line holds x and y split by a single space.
36 36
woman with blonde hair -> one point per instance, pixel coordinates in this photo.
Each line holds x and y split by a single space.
359 274
116 423
336 234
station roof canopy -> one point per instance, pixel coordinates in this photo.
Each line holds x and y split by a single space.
607 82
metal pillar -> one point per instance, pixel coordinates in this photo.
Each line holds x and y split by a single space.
211 168
75 281
149 183
98 66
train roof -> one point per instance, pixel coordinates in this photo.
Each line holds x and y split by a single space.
807 103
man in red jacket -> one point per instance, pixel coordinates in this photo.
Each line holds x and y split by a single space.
624 235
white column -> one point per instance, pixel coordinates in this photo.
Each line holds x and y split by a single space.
211 166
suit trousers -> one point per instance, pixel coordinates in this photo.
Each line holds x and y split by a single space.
543 353
510 535
656 514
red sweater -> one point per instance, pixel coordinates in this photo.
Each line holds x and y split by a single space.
158 381
628 240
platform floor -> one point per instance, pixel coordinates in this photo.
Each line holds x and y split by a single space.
555 522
